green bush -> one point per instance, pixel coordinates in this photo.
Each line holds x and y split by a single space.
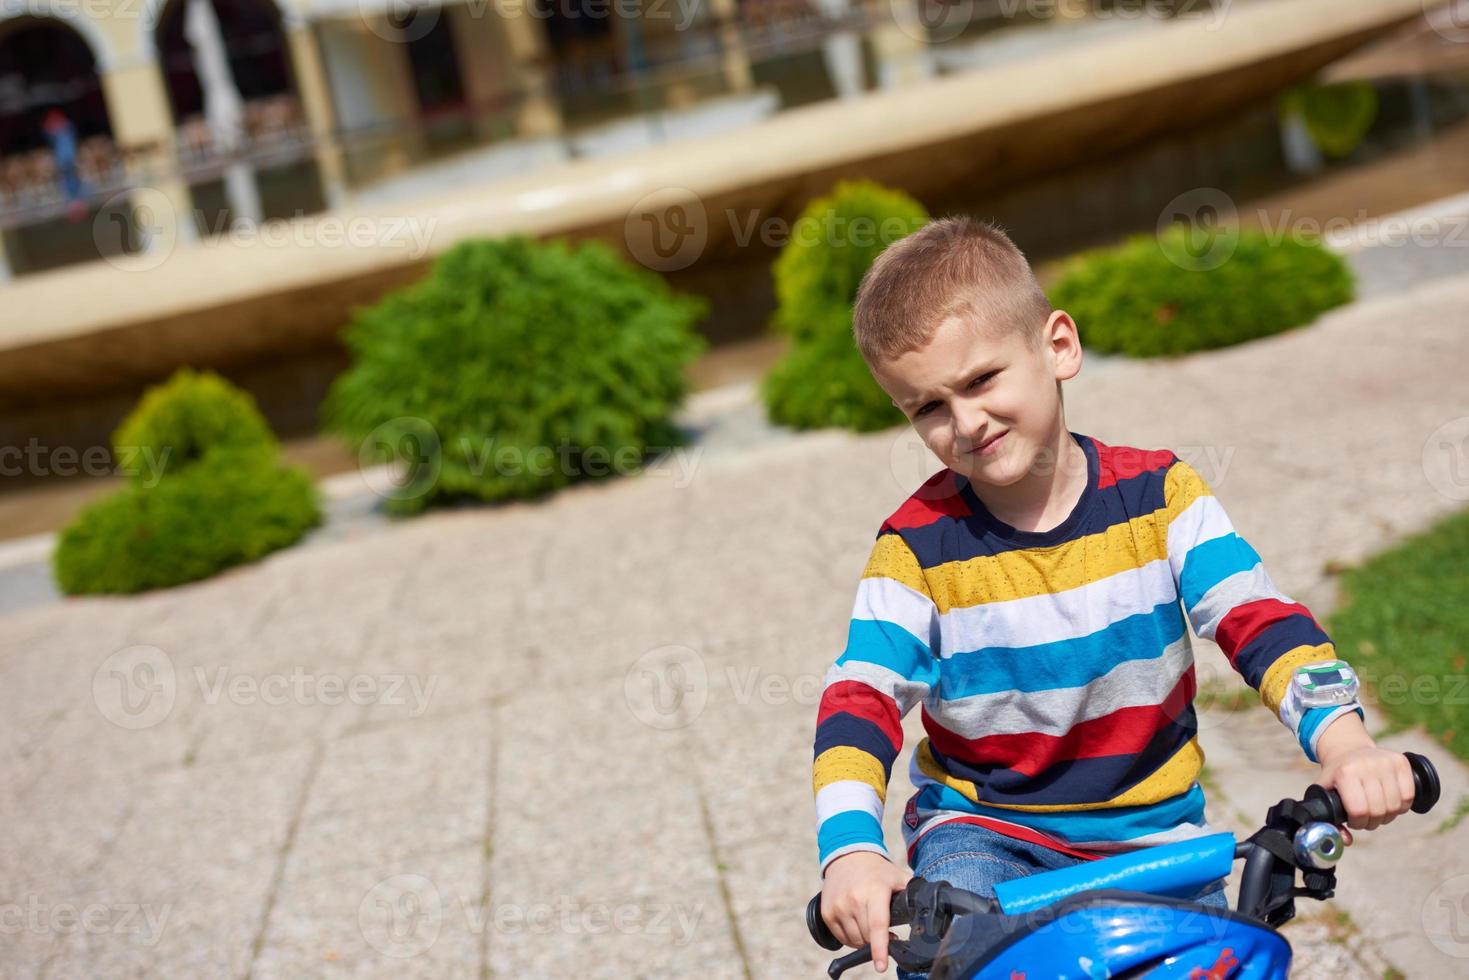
229 507
831 246
1337 116
179 420
1142 298
824 382
517 367
209 493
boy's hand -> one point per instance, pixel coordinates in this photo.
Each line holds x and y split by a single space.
855 898
1375 784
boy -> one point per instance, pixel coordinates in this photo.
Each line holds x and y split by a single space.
1032 597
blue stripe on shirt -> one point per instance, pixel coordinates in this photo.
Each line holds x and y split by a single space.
1211 562
1064 663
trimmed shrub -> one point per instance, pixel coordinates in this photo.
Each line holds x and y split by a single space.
189 414
1140 297
213 494
823 381
229 507
518 367
1337 116
831 246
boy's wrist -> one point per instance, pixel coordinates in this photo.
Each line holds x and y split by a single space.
877 849
1341 735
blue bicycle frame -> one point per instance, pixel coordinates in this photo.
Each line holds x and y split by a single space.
1126 916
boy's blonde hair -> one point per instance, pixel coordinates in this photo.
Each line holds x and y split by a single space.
950 267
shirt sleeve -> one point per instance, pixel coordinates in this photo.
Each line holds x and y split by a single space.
1229 598
888 666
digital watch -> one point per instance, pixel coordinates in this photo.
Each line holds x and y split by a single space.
1324 684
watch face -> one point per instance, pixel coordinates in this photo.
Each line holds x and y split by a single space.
1330 683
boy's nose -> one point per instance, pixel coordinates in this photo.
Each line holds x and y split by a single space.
969 426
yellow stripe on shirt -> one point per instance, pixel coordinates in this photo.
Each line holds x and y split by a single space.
1028 572
842 762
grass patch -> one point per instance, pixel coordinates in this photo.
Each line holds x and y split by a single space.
1461 810
1404 625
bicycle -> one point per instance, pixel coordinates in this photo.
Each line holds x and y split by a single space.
1122 917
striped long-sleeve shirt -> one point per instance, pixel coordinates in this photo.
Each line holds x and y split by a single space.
1053 667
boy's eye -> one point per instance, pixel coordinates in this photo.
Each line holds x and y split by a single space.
983 378
930 406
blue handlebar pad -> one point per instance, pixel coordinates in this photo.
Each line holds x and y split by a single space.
1176 870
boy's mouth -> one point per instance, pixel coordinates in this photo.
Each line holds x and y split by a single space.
990 446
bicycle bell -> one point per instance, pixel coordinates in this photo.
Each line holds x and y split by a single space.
1318 845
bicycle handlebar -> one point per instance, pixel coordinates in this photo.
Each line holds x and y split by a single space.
1323 804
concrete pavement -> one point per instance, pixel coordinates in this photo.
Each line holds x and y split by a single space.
573 738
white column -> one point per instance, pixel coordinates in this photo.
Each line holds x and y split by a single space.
223 107
1302 156
842 53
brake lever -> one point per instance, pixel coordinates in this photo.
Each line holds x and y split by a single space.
838 966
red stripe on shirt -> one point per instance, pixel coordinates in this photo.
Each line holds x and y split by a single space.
1118 463
1008 829
937 498
1124 731
862 701
1245 622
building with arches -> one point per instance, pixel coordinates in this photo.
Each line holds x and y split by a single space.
254 109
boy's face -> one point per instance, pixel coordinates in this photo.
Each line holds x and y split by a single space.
984 400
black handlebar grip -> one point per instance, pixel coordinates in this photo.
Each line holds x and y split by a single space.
817 926
900 912
1426 791
1426 788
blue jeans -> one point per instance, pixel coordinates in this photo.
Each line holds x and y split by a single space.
976 859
